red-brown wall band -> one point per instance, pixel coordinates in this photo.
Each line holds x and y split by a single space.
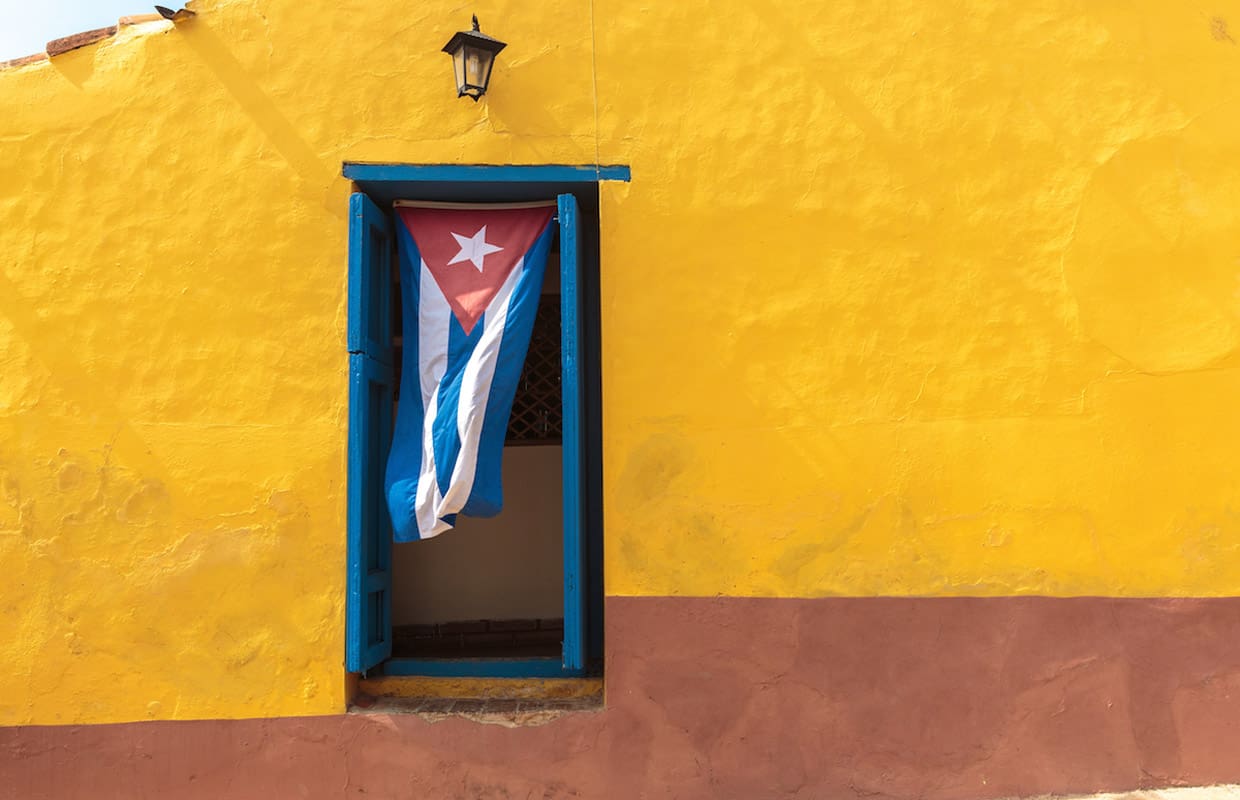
753 698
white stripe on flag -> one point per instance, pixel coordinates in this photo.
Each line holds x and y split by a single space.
434 317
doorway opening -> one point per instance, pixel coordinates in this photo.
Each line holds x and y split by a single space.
520 594
493 588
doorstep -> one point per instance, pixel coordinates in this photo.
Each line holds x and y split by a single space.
502 701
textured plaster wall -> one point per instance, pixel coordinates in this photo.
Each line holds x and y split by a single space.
904 298
172 310
921 298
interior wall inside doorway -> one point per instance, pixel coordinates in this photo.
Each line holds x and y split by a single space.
505 567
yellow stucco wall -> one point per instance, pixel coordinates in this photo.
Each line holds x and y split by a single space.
904 298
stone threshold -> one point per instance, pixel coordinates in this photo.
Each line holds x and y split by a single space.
511 702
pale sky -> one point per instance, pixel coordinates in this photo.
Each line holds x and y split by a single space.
27 25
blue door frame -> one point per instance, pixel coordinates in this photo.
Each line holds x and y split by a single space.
368 627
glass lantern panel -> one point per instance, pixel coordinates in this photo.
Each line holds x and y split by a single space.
458 66
477 66
487 66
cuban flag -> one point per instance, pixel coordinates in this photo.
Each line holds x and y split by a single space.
470 281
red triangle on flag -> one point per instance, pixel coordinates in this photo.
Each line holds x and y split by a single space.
470 252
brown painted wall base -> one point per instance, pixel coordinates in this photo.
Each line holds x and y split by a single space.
747 698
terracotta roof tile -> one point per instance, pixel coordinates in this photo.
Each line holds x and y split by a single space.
63 45
24 60
67 43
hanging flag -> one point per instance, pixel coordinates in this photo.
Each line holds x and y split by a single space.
470 281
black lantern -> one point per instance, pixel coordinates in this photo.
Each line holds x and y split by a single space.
473 55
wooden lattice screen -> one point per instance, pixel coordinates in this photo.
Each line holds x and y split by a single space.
536 412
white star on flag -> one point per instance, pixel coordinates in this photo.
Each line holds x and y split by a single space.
474 248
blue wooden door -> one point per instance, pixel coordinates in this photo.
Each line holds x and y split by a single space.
573 399
368 628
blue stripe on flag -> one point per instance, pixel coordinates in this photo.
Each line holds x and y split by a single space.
444 432
486 496
404 463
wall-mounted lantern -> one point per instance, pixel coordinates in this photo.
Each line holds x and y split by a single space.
473 55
